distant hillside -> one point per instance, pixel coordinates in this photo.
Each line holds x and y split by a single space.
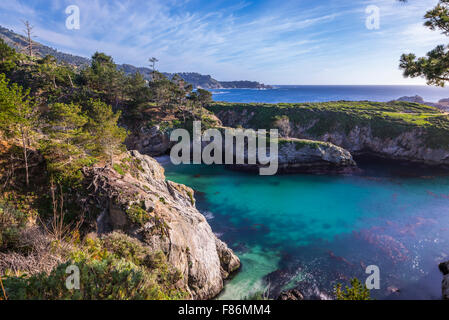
18 42
244 84
197 80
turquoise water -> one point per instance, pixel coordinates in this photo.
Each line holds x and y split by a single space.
311 232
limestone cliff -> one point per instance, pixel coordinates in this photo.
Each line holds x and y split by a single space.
135 198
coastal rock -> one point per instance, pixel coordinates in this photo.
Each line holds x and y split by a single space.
312 156
373 136
294 155
150 141
446 287
415 99
291 295
443 104
308 156
444 268
162 214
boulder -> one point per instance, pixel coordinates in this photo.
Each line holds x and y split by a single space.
291 295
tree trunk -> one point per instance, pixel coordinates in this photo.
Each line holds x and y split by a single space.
25 157
71 82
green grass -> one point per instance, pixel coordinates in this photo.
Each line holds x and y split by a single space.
138 215
303 143
118 168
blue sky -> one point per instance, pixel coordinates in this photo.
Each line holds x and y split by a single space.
275 42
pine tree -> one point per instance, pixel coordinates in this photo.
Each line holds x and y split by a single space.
66 148
48 69
435 66
108 137
8 57
18 117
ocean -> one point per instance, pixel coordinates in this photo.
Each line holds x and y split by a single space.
312 232
293 94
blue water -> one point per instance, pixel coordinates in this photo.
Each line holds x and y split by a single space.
295 94
312 232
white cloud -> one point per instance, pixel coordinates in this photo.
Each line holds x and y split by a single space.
276 45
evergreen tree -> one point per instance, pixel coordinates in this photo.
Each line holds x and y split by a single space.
202 98
104 77
435 66
48 69
8 57
18 117
67 145
107 136
139 93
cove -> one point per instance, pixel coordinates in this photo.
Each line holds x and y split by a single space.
313 231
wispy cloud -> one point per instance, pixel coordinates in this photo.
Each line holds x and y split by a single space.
258 40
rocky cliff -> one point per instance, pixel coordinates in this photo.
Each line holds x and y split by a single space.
396 130
306 156
313 156
134 197
150 141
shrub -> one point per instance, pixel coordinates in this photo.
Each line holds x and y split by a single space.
114 268
12 222
357 292
119 169
138 215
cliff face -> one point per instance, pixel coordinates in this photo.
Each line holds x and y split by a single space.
161 214
398 131
306 156
313 156
149 141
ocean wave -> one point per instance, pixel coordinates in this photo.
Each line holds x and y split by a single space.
208 215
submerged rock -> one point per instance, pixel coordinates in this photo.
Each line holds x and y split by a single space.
291 295
161 214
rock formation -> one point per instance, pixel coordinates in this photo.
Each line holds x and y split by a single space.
161 214
313 156
395 131
444 268
150 141
291 295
